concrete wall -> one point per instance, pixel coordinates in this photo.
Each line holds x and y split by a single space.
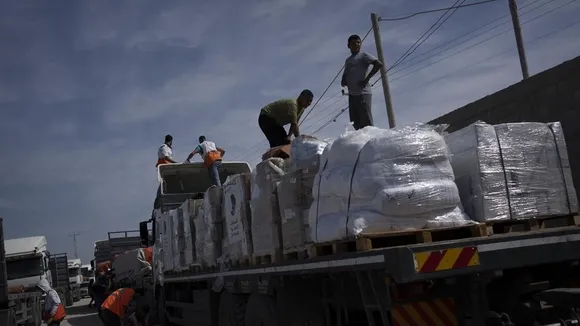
552 95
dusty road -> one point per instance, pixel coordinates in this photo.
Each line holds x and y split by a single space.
81 315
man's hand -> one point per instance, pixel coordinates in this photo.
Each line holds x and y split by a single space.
363 83
49 321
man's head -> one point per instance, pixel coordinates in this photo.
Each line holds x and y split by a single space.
201 139
305 98
354 43
168 140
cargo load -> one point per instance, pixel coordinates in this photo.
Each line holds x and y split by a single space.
209 228
167 240
132 265
237 216
375 180
295 191
265 224
512 171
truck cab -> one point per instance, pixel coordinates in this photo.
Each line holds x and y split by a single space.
75 277
26 261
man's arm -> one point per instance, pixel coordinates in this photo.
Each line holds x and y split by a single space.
294 129
221 150
192 154
376 66
343 80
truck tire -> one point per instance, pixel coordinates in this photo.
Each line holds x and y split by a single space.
261 311
232 309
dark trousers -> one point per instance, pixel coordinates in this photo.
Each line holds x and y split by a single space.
359 110
109 318
55 322
275 133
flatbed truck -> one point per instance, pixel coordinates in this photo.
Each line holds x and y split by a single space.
525 277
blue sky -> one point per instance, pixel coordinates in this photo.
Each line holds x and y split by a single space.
88 89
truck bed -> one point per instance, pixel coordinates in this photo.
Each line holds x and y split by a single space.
425 261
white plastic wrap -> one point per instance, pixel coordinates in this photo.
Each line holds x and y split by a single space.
512 171
375 180
178 241
265 224
305 153
167 225
158 253
208 228
237 215
294 200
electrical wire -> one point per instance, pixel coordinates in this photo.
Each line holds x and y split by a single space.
397 77
473 31
435 10
425 35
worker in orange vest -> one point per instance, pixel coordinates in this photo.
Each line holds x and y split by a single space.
212 158
113 310
53 312
165 152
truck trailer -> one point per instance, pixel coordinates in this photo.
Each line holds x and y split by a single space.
518 273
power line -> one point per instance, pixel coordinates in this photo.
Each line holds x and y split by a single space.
490 57
426 35
468 33
478 43
435 10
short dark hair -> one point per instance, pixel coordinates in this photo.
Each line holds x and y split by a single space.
353 37
168 138
201 139
307 93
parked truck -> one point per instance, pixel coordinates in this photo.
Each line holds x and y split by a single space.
75 278
23 262
478 275
87 274
60 278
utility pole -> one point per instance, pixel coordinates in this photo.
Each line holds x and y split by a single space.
74 235
384 78
519 39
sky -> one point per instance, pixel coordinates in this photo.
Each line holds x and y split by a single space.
88 89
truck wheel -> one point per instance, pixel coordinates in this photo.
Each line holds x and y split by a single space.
232 309
261 311
68 298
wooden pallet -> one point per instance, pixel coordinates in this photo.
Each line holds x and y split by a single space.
399 238
532 224
293 254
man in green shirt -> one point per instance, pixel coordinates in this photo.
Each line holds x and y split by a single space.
274 116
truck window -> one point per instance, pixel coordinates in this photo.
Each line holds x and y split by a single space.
73 271
22 268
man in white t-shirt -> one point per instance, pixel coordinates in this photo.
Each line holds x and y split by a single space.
212 158
165 152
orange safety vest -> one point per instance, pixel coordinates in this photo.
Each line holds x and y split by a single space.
148 253
118 301
211 158
161 161
58 315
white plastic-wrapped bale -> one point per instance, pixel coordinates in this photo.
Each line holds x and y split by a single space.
305 152
294 200
178 240
237 215
190 213
208 228
265 223
167 225
375 181
512 171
